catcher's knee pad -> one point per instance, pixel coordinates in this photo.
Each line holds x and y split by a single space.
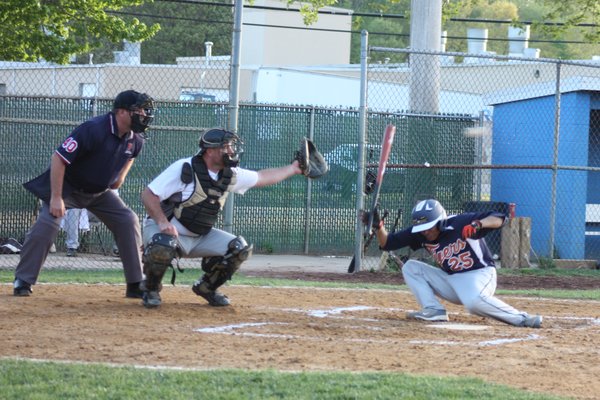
221 268
157 257
238 251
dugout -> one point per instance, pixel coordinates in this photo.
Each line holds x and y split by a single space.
524 135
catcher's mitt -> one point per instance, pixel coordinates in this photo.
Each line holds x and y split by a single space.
311 161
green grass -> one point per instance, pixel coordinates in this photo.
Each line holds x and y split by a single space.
592 273
49 380
115 276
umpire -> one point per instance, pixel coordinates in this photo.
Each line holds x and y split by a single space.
93 159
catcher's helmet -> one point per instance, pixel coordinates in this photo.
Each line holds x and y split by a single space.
134 101
427 214
217 138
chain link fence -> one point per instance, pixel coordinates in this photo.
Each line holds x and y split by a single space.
475 131
486 132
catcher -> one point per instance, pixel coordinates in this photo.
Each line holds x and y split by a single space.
183 203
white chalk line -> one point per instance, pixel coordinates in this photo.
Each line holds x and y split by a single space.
494 342
232 330
240 329
109 364
235 330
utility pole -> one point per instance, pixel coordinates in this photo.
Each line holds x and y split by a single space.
425 34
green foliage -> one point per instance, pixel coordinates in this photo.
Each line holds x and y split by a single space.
546 263
266 247
571 13
54 30
184 30
48 380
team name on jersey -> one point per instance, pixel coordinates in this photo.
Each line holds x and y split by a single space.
452 255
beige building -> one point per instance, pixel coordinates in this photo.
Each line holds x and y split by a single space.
280 38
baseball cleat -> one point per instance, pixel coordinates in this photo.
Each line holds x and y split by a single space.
71 252
534 321
214 298
428 314
151 299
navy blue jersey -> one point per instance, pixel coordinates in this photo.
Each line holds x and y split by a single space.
450 251
95 154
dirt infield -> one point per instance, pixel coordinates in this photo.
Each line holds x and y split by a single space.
305 329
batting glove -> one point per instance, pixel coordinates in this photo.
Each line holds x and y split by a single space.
471 230
377 220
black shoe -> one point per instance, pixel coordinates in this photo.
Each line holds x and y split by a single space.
71 252
213 297
151 299
21 288
134 291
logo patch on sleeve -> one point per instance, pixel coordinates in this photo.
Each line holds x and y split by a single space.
70 145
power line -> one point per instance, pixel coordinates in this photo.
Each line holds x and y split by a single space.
341 12
154 16
404 35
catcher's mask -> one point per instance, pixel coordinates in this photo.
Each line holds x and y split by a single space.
228 141
427 214
140 107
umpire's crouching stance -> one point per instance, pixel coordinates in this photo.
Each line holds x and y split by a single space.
183 203
95 158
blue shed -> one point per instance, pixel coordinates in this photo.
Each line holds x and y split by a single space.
524 135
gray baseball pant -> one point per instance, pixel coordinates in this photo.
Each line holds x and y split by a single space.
110 209
473 289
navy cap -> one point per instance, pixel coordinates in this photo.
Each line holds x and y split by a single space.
130 99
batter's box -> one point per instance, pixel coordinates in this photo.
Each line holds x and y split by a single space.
340 324
568 322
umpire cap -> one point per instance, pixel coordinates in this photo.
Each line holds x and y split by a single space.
132 100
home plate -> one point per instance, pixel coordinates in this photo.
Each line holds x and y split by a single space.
459 327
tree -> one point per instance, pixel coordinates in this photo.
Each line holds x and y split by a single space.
485 10
570 14
550 20
54 30
566 14
185 29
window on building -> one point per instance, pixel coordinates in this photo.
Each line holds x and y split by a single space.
2 89
87 89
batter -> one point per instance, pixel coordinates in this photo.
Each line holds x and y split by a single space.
465 272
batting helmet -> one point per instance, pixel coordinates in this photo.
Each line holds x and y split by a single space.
427 214
218 138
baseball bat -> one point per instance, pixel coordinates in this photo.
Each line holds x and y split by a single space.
386 148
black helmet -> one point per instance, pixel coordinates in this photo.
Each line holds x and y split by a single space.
217 138
132 101
427 214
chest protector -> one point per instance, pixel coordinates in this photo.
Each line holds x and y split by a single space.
200 212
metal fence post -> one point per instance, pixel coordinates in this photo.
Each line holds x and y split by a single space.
311 134
234 90
555 161
362 128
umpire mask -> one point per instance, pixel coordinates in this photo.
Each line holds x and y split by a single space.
140 107
230 143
